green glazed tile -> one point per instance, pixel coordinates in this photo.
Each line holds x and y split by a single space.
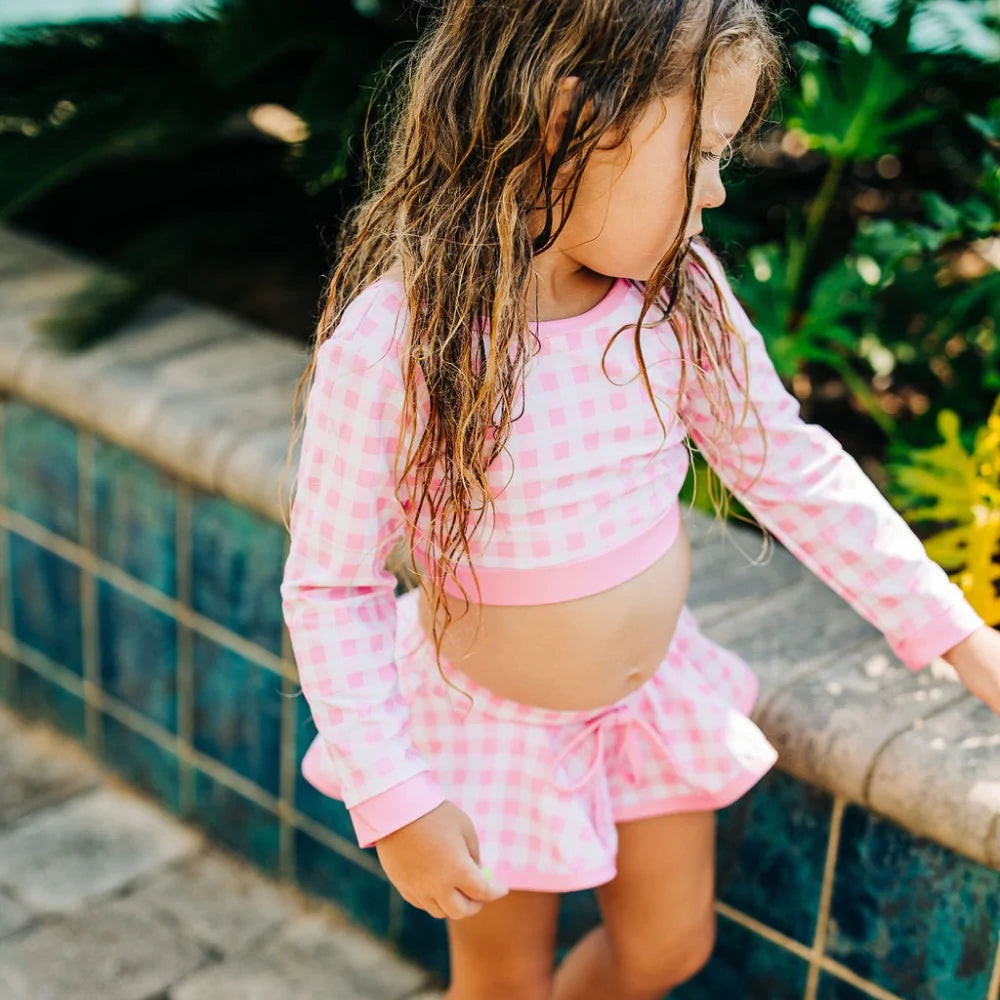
832 988
747 966
37 698
424 939
46 603
237 712
237 559
324 872
140 761
578 913
39 474
236 821
911 915
135 510
137 652
771 847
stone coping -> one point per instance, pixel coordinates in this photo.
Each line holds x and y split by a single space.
208 397
199 391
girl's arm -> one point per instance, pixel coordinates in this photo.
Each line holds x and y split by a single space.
818 501
338 599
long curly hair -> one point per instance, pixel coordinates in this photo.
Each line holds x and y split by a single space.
460 162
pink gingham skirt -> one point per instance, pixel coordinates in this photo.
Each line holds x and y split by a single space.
544 787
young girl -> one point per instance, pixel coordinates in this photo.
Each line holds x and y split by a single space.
542 703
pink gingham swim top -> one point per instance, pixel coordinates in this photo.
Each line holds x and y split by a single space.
584 500
586 497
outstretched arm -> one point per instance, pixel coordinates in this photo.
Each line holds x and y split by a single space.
819 503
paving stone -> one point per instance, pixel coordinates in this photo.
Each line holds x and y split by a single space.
38 767
786 635
13 916
829 726
311 957
192 434
219 901
119 951
66 382
95 843
725 577
251 473
941 779
700 526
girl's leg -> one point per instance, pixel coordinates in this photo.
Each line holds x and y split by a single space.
659 913
507 950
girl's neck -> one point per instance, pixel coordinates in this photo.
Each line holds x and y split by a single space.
558 296
553 297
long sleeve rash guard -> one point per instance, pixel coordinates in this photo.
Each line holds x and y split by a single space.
586 497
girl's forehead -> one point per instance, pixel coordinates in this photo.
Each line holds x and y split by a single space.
728 98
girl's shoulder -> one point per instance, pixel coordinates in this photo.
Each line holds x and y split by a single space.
373 321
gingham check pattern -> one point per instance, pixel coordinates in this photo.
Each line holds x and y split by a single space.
585 470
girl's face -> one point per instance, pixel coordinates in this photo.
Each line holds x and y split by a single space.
630 204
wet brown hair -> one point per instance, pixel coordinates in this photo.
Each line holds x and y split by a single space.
461 162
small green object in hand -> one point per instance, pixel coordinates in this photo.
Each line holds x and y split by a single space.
488 872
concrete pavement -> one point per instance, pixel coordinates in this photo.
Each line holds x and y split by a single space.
105 896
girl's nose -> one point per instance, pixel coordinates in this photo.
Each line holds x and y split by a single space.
713 193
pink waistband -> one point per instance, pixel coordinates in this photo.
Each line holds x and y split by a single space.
548 584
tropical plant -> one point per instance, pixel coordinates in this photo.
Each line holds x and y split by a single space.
960 488
830 293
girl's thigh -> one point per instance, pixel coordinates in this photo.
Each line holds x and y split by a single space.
506 949
659 909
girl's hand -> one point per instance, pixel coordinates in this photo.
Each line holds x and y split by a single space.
976 660
434 864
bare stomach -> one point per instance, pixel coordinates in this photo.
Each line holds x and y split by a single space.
577 654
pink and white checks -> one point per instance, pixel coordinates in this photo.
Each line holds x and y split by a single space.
545 787
585 498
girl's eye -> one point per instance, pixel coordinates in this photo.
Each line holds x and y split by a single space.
707 155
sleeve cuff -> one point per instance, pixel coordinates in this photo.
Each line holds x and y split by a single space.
919 648
394 808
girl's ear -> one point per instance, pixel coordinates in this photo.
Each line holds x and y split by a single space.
559 114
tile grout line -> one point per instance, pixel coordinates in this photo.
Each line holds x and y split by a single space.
87 561
866 986
89 624
185 652
808 954
761 929
41 664
993 988
156 733
825 896
286 784
8 669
